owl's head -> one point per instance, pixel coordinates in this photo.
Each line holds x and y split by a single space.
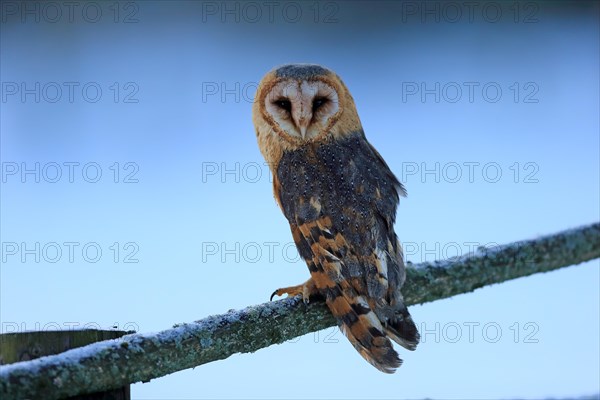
300 103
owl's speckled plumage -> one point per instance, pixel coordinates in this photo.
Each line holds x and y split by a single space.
340 199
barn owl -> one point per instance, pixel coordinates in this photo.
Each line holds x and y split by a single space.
340 199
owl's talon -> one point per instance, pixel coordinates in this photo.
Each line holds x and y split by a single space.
305 290
273 295
290 291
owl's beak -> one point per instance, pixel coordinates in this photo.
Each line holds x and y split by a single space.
303 131
302 123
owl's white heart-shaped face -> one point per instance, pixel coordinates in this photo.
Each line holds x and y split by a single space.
301 104
301 108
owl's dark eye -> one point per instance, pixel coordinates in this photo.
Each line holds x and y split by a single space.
318 103
283 104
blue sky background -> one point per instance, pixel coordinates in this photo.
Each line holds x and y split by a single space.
184 190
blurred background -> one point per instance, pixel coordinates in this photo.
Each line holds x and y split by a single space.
134 195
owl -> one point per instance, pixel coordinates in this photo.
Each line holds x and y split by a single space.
340 199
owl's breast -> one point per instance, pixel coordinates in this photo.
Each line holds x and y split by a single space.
343 179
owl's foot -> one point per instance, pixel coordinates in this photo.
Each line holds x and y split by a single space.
306 289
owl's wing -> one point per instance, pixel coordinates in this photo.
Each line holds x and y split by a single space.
340 199
346 291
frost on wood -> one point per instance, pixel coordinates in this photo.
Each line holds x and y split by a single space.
142 357
440 279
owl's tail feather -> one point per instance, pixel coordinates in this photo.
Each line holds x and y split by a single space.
363 329
402 329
